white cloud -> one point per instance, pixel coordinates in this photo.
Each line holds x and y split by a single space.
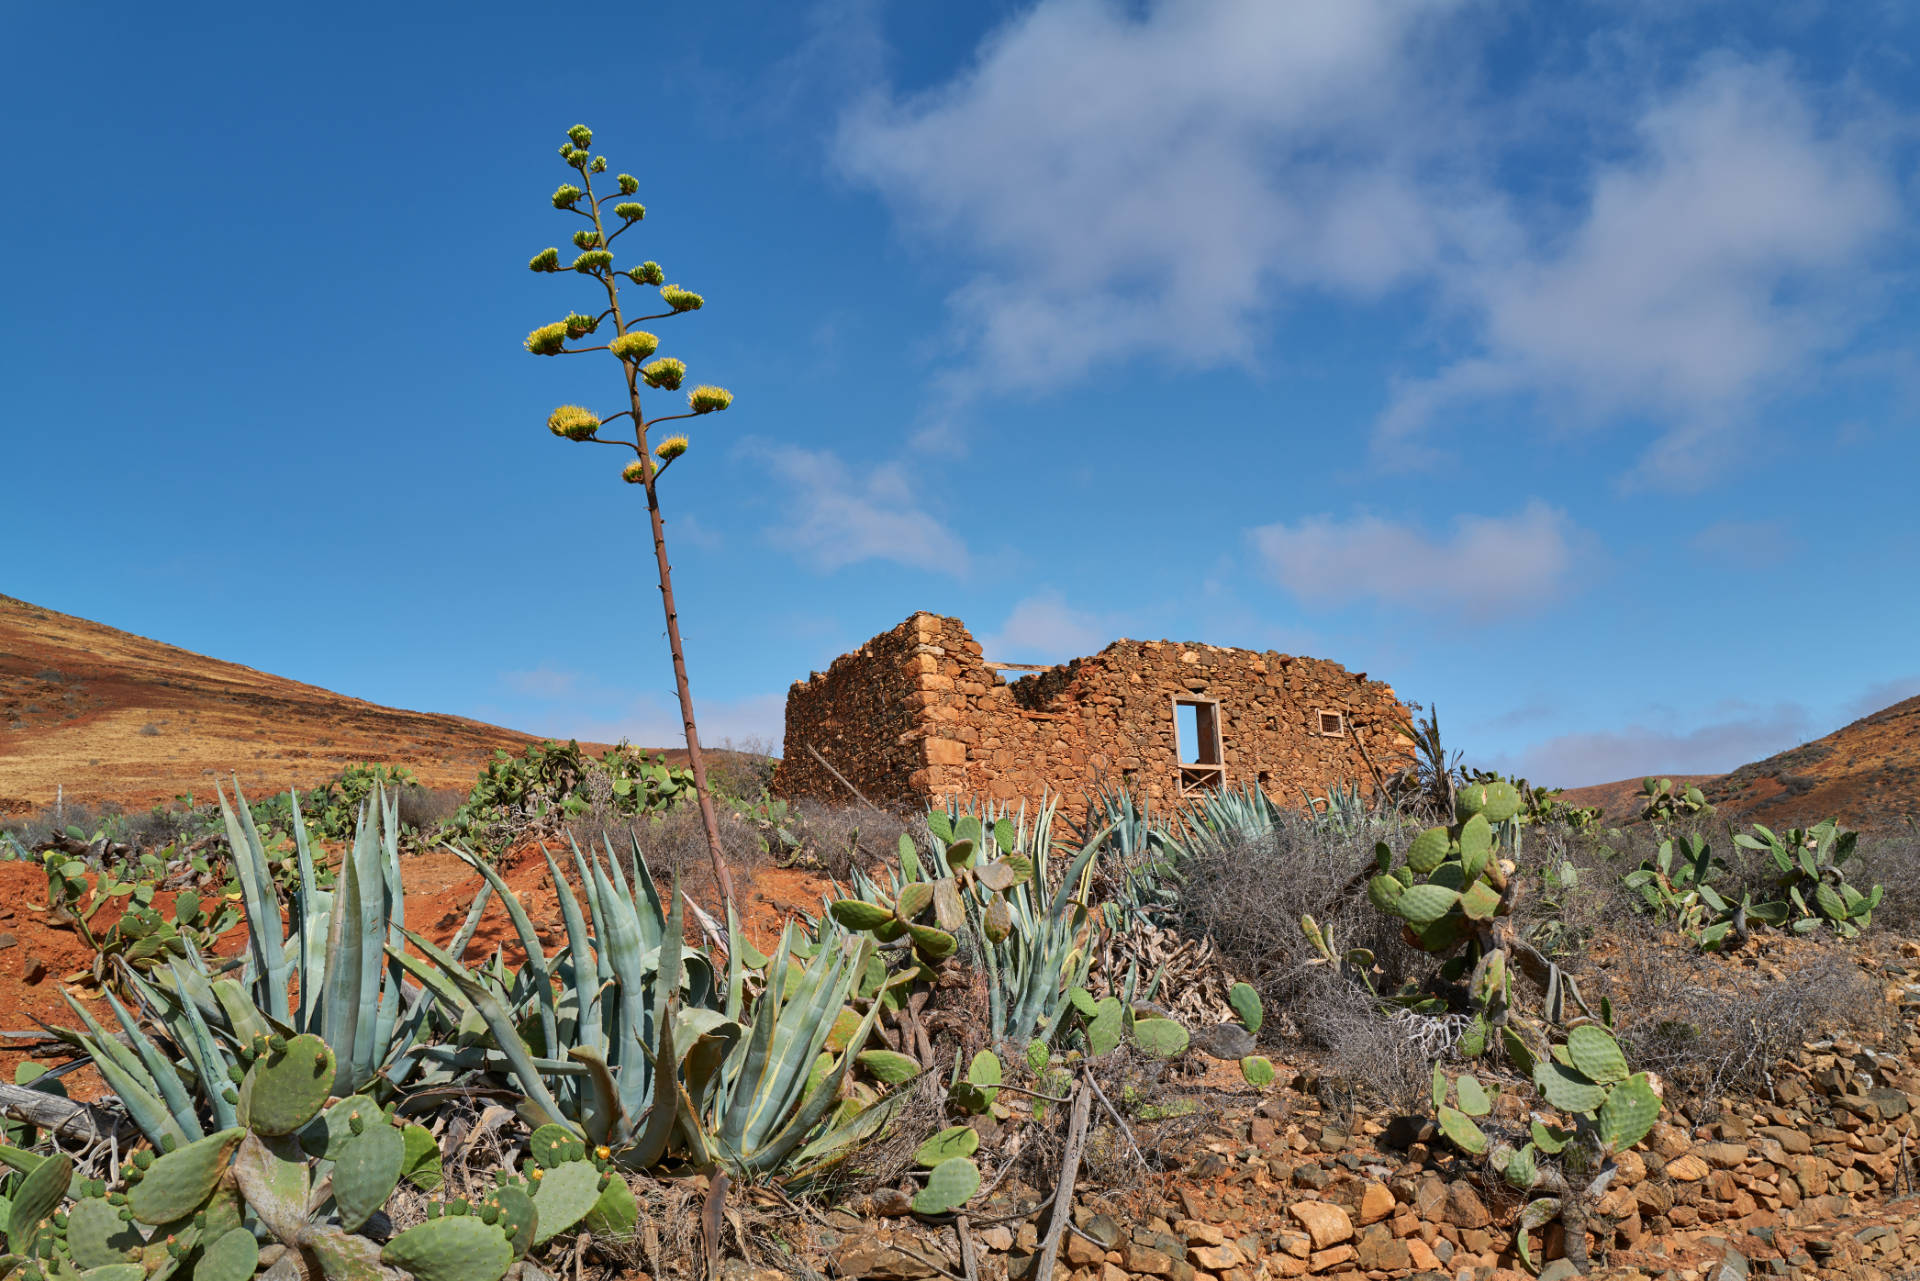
836 515
1709 266
1142 184
1882 695
1745 544
1153 181
1523 558
1044 629
562 703
1745 734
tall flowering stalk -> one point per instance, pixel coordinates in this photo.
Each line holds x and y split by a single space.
635 349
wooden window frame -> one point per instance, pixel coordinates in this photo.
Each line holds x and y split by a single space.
1200 775
1321 716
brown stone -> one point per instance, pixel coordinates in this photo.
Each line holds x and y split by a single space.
1376 1203
1378 1250
1327 1260
1464 1207
1327 1224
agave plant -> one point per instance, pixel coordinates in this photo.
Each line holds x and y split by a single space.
329 977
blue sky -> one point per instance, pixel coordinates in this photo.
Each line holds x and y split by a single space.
1555 363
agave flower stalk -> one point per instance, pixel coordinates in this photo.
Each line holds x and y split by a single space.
633 347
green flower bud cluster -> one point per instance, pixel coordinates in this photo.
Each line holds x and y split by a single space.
637 345
707 399
635 472
593 260
586 239
545 260
579 326
649 273
628 184
630 210
581 136
564 195
573 422
682 299
665 373
599 164
671 448
548 339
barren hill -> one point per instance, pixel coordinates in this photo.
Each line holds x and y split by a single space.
1867 774
110 716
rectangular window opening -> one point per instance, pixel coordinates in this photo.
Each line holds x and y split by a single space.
1196 723
1333 724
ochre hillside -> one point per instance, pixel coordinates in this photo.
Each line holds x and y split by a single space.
110 716
1866 774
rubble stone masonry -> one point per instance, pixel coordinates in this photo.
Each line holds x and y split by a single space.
916 715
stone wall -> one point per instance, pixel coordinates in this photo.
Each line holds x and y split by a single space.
916 714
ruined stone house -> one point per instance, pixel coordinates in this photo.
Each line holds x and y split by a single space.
919 714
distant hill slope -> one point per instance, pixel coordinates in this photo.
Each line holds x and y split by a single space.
1867 774
110 716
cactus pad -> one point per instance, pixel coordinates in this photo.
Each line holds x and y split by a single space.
888 1067
284 1090
616 1213
1629 1112
37 1197
1459 1127
1384 891
1258 1070
518 1218
930 942
365 1175
1161 1037
422 1164
954 1141
1422 905
451 1248
1429 850
1521 1171
914 899
1104 1028
1567 1089
555 1145
1473 1096
564 1196
184 1178
1596 1054
1246 1003
97 1236
949 1187
859 915
117 1272
231 1256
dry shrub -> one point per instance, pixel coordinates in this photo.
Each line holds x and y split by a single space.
884 1160
1710 1023
1892 860
674 843
840 836
1249 898
424 809
1378 1059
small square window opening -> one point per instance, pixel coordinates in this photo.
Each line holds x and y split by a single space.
1333 724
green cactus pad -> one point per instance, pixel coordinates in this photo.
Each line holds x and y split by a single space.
37 1197
1481 902
366 1173
859 915
231 1256
954 1141
184 1178
422 1164
1258 1071
117 1272
1567 1089
272 1175
932 943
888 1066
285 1090
1037 1056
949 1187
1429 850
960 854
1459 1127
97 1236
518 1217
1518 1052
1422 905
1441 1085
1549 1139
1521 1171
1162 1037
1473 1096
1105 1027
1384 891
564 1196
1246 1003
556 1145
1476 840
451 1248
914 899
616 1213
1629 1112
1595 1053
